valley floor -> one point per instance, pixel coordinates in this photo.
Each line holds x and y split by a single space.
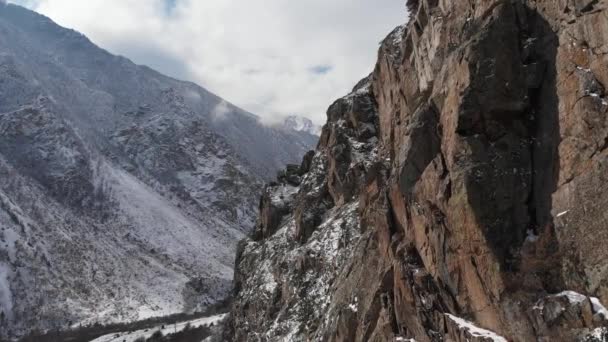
165 329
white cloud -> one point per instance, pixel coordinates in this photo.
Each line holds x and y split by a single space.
220 111
271 57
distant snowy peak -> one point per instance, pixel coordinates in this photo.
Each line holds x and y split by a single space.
301 124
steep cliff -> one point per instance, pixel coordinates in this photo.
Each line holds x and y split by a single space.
457 194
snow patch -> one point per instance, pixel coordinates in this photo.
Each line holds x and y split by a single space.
598 308
598 333
398 37
474 330
168 329
573 297
353 306
531 237
283 194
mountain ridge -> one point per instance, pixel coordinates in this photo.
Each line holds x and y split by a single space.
301 124
122 197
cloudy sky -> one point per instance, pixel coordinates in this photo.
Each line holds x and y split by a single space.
271 57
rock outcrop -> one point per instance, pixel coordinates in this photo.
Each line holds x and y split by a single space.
457 194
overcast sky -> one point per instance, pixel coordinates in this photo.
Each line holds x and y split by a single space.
271 57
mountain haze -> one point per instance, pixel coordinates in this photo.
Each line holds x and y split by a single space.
123 192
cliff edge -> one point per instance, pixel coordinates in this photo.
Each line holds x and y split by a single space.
457 194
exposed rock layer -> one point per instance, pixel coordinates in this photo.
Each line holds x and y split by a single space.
457 194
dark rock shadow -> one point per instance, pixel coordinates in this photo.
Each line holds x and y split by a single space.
510 121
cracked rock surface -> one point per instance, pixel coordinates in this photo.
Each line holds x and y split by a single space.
459 193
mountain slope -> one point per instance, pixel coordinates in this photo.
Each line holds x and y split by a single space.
113 91
301 124
122 194
457 194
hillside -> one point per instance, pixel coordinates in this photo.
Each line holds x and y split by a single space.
123 192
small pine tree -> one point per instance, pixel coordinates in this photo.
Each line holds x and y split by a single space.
157 336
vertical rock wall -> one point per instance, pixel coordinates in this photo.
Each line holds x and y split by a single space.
457 194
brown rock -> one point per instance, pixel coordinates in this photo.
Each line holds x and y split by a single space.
475 158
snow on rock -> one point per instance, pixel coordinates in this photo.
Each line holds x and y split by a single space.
531 237
353 306
297 265
577 299
597 335
282 268
283 194
471 330
599 309
573 297
569 308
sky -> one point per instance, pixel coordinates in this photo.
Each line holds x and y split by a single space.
271 57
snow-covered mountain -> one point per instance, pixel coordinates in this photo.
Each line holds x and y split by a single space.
301 124
123 192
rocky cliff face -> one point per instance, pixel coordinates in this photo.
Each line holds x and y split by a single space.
457 194
123 192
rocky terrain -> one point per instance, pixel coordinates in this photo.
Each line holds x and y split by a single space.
458 193
123 192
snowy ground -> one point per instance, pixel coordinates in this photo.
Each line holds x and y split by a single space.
169 329
475 331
